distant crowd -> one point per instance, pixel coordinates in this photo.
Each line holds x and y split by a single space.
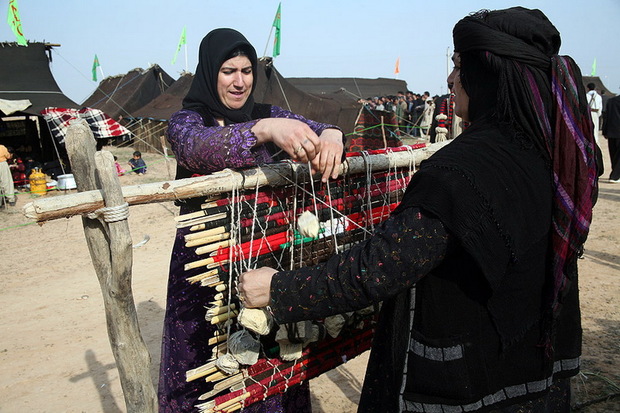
418 115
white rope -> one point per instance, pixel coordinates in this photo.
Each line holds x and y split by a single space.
288 105
234 241
251 266
366 157
296 187
331 217
111 214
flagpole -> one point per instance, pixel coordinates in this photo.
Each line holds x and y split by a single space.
276 23
186 70
268 39
102 74
447 62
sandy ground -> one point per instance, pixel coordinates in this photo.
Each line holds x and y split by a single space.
54 349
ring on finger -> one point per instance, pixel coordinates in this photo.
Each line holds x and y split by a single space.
300 148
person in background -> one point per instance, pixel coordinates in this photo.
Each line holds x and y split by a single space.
595 102
418 110
611 131
30 164
221 126
379 103
137 163
427 117
477 267
119 169
401 113
604 99
6 177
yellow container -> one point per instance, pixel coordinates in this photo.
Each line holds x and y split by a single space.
38 183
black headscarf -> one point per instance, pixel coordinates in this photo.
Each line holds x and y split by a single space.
502 53
517 33
215 49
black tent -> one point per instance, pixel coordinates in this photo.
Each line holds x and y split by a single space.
119 96
25 74
336 108
355 87
164 105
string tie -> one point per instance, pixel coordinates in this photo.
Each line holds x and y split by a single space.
111 214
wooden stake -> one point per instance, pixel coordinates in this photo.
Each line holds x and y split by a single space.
205 234
224 317
204 276
218 339
204 370
217 376
111 252
206 240
383 133
214 247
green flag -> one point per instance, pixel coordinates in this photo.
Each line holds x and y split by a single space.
276 39
182 41
95 66
593 68
16 23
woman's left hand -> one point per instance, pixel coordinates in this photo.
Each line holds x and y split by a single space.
255 287
328 160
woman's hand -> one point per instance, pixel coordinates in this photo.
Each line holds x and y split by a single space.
328 160
301 143
293 136
255 286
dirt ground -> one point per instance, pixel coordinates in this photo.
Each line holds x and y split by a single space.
54 349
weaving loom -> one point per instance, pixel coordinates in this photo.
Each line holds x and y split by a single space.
249 228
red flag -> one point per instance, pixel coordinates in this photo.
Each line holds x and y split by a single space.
397 67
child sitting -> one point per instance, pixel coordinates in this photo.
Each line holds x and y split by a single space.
119 169
137 163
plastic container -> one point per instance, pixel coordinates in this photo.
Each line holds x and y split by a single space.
66 182
38 183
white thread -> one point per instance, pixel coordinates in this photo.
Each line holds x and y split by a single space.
366 158
297 186
291 224
331 217
233 228
243 347
249 265
227 363
258 320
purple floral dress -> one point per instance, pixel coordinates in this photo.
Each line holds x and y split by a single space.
204 149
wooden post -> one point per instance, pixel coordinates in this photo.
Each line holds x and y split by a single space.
162 139
383 133
112 261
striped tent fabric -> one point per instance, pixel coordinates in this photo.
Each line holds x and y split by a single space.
102 125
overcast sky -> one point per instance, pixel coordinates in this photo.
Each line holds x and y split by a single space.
320 38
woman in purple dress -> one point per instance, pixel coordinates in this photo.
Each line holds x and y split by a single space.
220 126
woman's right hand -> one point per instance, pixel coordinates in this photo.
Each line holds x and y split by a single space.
291 135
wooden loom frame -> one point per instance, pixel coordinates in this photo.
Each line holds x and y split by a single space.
110 242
